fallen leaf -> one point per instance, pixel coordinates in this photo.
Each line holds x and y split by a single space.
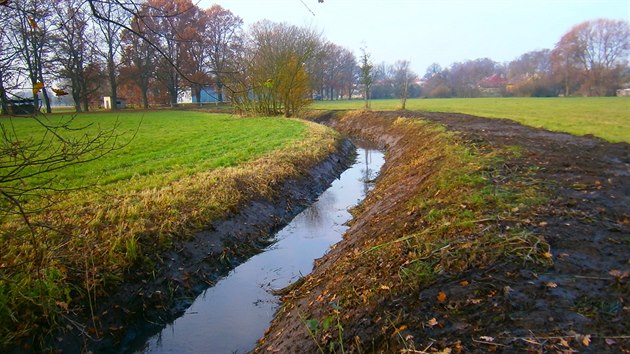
62 305
551 285
586 340
402 328
487 339
564 343
542 224
384 287
441 296
32 22
464 283
547 255
610 341
432 322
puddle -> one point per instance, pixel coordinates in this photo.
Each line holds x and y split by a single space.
232 315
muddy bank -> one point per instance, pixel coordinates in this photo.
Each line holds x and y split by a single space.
231 316
572 297
147 300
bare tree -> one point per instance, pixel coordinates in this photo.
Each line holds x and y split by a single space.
599 50
225 41
464 77
194 57
432 70
403 78
111 31
172 23
139 56
30 35
73 50
531 75
9 77
334 73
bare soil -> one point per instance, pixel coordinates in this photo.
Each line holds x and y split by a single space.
581 303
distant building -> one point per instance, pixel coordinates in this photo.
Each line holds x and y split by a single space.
623 92
25 106
492 86
207 95
120 103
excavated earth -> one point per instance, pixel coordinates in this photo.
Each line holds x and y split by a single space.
578 302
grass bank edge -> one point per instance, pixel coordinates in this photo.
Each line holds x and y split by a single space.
605 117
93 238
469 212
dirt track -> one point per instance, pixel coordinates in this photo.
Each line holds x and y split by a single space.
579 303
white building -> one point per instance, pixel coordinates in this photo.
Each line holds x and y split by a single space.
120 103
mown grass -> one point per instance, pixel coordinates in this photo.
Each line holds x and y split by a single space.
604 117
162 146
181 171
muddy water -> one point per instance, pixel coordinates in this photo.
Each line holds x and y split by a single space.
233 314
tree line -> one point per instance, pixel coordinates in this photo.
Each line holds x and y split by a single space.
591 59
150 52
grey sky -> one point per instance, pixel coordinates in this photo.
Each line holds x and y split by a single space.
427 31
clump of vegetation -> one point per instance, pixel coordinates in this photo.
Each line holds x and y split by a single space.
87 241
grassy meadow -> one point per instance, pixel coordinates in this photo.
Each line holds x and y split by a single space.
158 147
604 117
173 173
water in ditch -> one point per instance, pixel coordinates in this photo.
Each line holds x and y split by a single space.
232 315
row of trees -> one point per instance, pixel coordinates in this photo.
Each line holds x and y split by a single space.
149 52
591 59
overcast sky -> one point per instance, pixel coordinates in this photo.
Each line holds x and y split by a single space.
428 31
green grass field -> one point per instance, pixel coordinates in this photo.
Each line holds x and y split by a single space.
167 144
605 117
